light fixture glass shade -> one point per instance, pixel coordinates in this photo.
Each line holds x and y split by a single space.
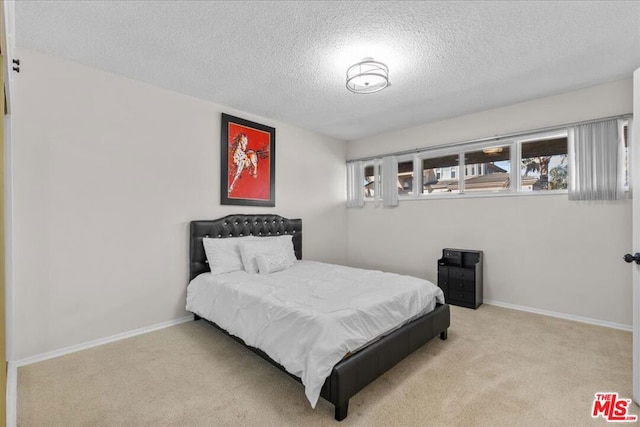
492 150
367 76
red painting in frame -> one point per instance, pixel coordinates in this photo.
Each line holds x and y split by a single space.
248 166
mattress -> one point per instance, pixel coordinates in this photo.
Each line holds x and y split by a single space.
308 317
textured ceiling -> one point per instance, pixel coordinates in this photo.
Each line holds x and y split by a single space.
287 60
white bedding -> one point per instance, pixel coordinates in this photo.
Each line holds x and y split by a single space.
308 317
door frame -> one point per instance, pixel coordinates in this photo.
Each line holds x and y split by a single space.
635 227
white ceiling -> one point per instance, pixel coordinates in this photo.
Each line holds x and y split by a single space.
286 60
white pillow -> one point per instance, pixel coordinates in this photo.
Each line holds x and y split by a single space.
270 263
249 250
224 254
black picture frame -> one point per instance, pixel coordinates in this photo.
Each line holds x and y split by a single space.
243 179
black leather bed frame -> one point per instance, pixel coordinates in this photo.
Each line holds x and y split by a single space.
353 373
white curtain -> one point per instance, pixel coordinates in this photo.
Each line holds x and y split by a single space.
355 184
390 181
596 155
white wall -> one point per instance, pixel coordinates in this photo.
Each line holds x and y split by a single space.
541 252
107 174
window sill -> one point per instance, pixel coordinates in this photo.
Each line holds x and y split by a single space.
474 195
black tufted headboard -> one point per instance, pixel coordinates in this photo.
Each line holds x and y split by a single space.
237 226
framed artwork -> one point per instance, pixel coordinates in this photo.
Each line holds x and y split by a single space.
248 168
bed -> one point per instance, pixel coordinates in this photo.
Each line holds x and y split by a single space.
352 372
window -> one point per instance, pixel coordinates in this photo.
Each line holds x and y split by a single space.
525 164
439 175
496 164
405 177
371 180
544 164
481 168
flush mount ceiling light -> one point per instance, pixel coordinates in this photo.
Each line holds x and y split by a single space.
492 150
367 76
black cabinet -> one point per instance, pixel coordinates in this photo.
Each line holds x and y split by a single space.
460 277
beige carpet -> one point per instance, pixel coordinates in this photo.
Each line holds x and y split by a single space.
499 367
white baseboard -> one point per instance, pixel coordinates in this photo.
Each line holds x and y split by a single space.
561 315
79 347
12 366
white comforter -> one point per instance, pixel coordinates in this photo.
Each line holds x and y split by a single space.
308 317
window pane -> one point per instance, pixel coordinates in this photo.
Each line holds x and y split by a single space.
544 164
405 177
369 181
440 175
487 169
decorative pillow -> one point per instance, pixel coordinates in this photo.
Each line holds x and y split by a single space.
249 250
224 254
276 261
